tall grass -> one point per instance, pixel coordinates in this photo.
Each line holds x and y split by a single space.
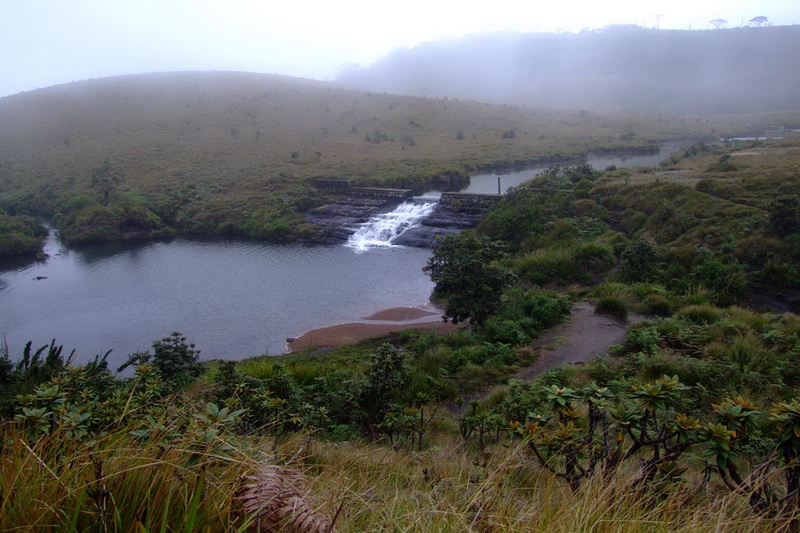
116 483
576 262
451 487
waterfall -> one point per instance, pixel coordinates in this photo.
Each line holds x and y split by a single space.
382 229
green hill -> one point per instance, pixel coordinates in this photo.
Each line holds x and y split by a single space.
234 153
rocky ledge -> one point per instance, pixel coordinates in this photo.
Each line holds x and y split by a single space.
341 217
444 220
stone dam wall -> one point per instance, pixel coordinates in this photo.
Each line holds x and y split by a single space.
470 200
374 192
345 187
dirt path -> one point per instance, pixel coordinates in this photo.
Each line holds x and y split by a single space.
583 337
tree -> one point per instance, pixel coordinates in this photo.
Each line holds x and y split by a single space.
386 381
104 180
175 359
718 23
638 261
465 270
784 215
759 21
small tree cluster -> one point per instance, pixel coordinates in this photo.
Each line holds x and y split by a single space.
784 215
578 433
174 358
466 272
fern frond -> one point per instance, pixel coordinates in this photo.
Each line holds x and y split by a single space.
278 501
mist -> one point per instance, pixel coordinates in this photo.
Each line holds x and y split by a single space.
625 68
47 42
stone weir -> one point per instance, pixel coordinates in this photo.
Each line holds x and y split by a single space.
349 206
457 200
345 187
374 192
453 213
342 216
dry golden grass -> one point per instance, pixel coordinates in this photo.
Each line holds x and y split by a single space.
119 483
452 487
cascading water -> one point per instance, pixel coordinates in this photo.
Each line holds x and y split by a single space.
382 230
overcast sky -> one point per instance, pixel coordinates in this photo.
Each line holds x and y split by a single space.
47 42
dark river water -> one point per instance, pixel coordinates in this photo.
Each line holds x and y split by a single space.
233 299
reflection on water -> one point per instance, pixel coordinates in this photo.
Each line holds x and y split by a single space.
233 299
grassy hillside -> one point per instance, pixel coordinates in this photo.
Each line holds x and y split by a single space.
233 153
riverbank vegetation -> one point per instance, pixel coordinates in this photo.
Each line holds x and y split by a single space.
692 423
236 154
20 235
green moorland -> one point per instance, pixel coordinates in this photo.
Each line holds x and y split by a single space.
693 423
234 153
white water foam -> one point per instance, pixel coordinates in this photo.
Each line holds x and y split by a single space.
382 230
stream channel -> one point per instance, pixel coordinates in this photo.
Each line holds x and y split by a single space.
232 298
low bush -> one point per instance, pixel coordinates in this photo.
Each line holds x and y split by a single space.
701 314
20 234
615 307
560 264
98 223
658 305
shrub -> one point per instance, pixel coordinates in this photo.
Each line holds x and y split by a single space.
784 215
638 262
386 381
565 264
610 305
658 305
725 279
725 163
174 358
701 314
18 244
506 331
642 338
97 223
524 314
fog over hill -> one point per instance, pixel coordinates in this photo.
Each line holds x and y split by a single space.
618 68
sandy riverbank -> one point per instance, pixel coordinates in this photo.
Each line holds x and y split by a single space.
395 319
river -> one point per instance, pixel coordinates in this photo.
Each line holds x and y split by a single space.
233 299
488 183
